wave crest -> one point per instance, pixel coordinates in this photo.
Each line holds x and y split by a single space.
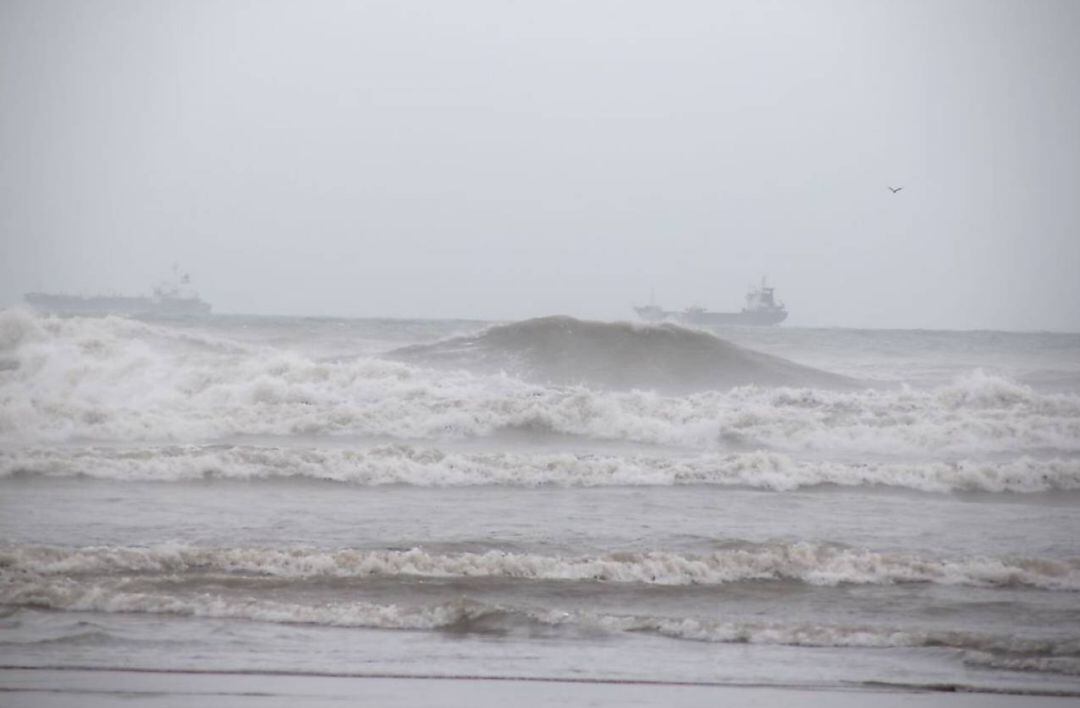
663 357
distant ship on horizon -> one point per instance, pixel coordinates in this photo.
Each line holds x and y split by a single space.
761 309
170 298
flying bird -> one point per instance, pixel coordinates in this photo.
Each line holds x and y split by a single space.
894 190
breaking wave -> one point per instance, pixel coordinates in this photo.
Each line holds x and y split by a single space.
64 380
432 467
811 563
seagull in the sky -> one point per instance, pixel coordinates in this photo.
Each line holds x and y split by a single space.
894 190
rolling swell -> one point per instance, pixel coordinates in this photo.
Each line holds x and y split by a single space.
619 356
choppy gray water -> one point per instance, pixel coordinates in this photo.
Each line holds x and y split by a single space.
552 498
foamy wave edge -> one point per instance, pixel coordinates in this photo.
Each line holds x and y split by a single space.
811 563
1028 654
432 467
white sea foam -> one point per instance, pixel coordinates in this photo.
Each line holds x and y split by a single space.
432 467
812 563
816 635
117 380
1010 662
67 594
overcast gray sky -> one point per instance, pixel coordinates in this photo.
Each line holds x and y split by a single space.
508 159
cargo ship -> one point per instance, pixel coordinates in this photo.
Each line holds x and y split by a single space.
761 309
170 299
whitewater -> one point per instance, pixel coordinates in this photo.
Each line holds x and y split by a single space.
553 498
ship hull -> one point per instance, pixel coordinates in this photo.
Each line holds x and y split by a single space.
119 305
701 318
759 318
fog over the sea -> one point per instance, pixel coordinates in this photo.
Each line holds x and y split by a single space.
506 159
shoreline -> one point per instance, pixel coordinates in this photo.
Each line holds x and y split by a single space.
875 687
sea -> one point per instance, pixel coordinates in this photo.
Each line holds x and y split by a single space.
551 499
